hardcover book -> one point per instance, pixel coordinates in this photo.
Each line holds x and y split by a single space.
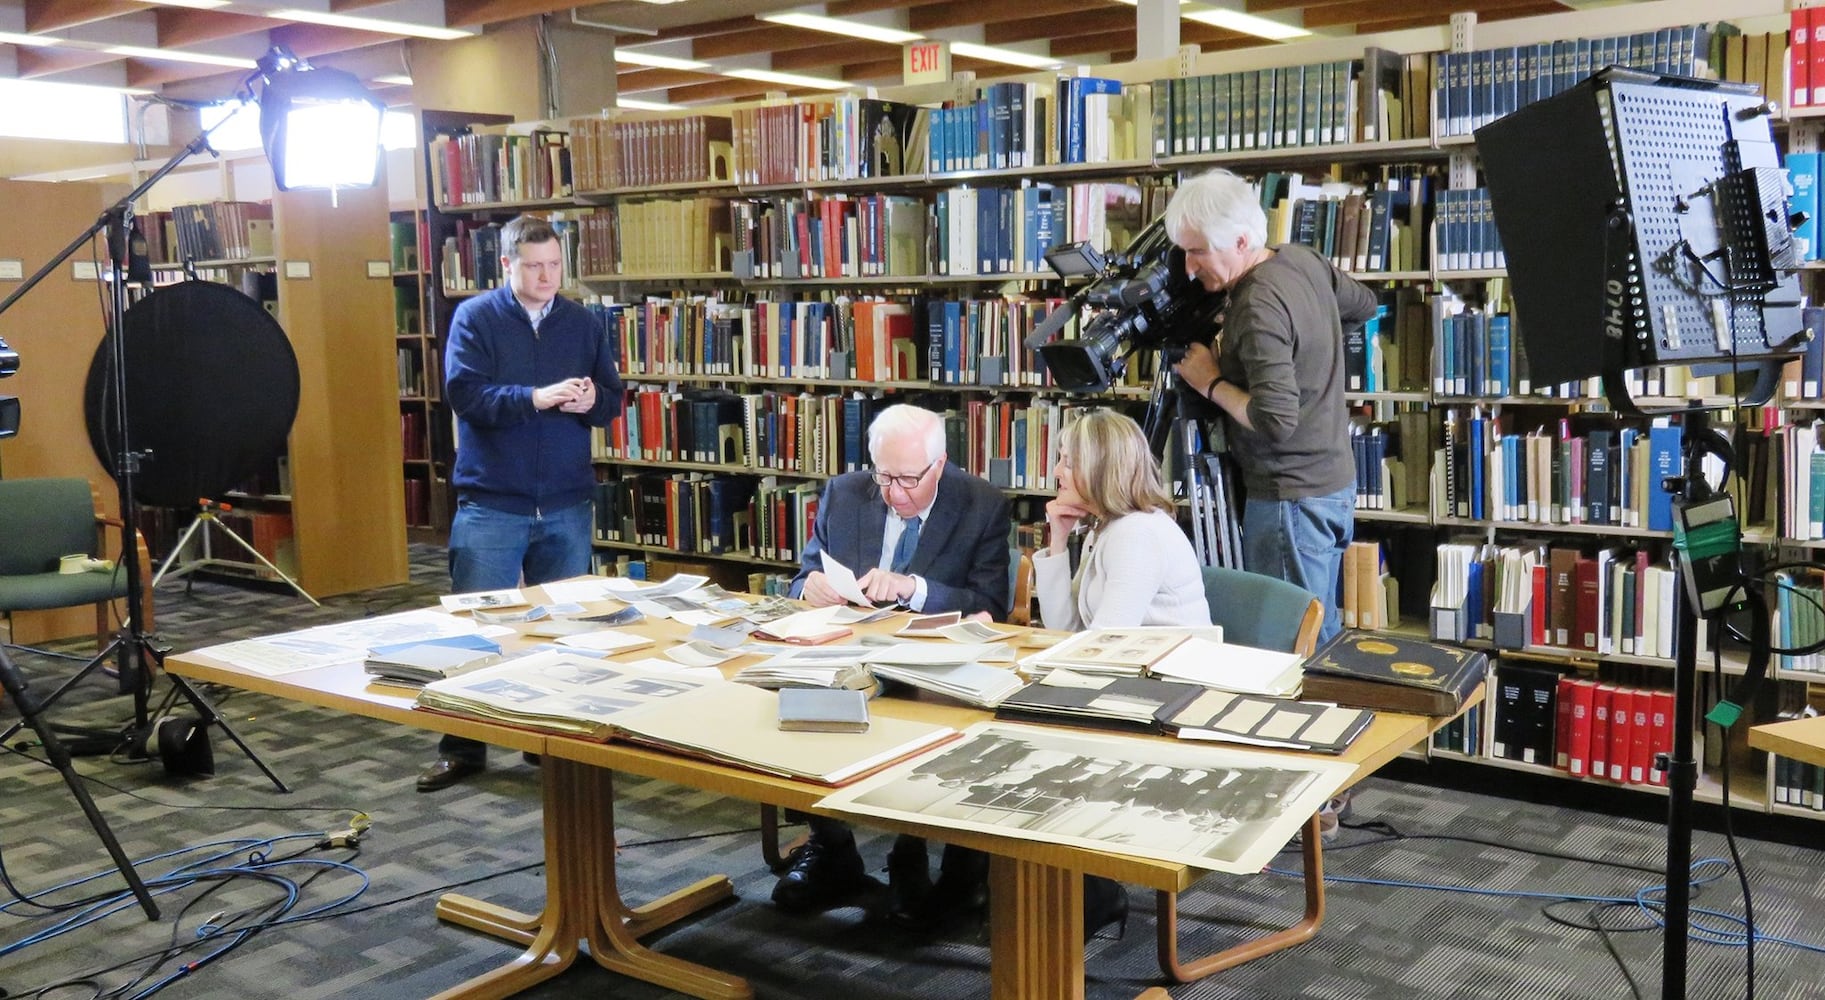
1129 703
1393 673
823 710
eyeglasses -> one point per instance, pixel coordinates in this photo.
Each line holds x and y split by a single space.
904 482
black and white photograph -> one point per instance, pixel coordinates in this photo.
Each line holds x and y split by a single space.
1220 809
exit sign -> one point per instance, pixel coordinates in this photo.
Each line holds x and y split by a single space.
926 62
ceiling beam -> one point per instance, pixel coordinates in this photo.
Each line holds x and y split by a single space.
1266 6
180 26
310 40
730 89
34 62
659 79
1493 10
1108 41
473 13
342 6
49 15
1377 11
766 38
834 54
892 67
1028 29
698 30
963 13
846 8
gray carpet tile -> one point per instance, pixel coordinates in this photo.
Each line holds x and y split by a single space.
1378 939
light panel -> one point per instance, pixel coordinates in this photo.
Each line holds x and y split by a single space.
1247 24
635 104
372 24
785 79
994 53
394 80
653 60
848 29
9 38
178 55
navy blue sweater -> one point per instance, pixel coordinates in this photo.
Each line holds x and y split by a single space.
510 456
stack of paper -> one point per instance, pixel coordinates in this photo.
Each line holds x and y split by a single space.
430 660
822 666
972 683
1226 666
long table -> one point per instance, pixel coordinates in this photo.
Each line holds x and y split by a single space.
1801 739
1036 888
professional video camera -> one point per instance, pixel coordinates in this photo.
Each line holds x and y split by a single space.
9 405
1145 299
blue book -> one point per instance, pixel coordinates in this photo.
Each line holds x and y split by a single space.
1077 88
1803 172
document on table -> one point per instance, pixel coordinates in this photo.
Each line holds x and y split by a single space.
842 580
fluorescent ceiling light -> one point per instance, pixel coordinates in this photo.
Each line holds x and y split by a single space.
992 53
175 55
394 80
848 29
8 38
193 4
635 58
785 79
1247 24
633 104
371 24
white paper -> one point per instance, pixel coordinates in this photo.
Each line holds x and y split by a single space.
842 580
973 631
930 653
607 639
623 587
700 654
510 597
1227 666
677 669
574 591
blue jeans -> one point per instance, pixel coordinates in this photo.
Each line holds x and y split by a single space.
1302 542
493 550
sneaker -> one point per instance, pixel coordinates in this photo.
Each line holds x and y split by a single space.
1331 817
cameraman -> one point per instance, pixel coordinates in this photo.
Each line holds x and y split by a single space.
1276 368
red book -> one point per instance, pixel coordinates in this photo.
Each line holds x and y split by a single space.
1817 70
1583 699
1662 742
1584 583
1799 58
1641 738
1622 735
1562 727
1537 613
1601 700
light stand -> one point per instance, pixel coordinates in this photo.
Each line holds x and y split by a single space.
207 517
1216 531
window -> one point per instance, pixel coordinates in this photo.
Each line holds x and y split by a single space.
35 109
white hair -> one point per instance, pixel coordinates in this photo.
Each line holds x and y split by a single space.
1219 206
902 419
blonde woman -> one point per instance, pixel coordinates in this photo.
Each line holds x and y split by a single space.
1137 567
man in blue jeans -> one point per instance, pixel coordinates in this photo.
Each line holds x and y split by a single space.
528 374
1276 371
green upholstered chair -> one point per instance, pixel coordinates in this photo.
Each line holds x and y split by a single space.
1266 613
43 520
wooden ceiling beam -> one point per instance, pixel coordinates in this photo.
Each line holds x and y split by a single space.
847 8
892 67
767 38
343 6
1490 12
659 79
474 13
834 54
35 62
963 13
1108 41
49 15
730 89
699 30
1028 29
180 26
1268 6
310 40
1380 11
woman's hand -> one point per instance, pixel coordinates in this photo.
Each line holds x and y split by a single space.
1063 513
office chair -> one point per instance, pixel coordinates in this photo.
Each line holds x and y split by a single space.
43 520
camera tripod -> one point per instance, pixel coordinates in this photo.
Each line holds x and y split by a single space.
208 516
1201 475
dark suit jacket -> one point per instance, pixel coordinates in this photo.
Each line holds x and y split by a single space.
963 546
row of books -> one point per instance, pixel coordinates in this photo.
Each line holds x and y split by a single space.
490 167
1393 471
1805 57
418 381
1799 619
1369 596
414 446
403 244
1319 104
682 149
1016 124
1611 601
831 237
419 488
1580 726
216 230
829 139
408 316
1380 225
1472 89
1584 471
686 512
788 432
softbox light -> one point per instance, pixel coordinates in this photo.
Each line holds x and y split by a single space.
320 128
1645 224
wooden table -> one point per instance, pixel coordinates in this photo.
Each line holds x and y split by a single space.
1801 739
1036 889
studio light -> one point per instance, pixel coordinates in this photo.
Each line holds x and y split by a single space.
320 127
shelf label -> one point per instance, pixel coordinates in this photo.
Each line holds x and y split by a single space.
297 270
380 269
925 62
12 270
84 270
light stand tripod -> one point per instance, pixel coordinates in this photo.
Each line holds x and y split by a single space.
208 516
1216 530
132 648
14 685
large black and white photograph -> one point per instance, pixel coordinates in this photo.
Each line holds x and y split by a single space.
1214 808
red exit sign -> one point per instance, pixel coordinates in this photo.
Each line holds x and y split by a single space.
926 62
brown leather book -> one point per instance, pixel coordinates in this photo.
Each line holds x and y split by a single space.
1393 673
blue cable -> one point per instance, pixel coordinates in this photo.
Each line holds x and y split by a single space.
1643 899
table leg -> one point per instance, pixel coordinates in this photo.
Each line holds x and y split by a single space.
583 903
1036 931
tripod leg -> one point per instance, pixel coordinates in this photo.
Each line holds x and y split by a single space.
211 717
243 543
177 551
14 685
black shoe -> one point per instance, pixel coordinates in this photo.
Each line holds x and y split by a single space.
962 889
909 881
1105 903
447 771
819 877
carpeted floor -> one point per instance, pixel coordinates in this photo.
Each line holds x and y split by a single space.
1496 938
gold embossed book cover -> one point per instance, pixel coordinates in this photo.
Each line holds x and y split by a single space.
1393 673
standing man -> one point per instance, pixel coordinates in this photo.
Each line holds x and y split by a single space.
528 374
1277 371
921 532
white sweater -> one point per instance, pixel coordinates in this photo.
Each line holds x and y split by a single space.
1138 569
